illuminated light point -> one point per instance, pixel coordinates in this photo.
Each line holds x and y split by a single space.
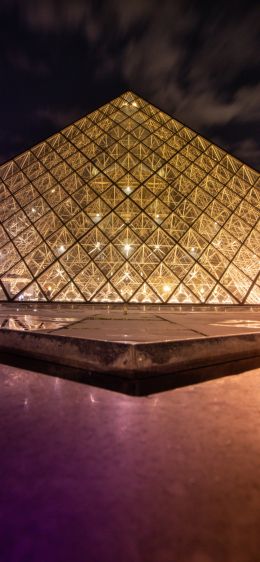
240 279
127 248
97 217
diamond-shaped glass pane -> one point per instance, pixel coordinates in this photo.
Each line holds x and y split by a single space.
127 204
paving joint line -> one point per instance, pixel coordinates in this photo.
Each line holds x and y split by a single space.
183 326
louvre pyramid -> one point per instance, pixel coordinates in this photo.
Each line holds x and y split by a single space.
129 205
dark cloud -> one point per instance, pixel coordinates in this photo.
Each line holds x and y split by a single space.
57 119
227 45
248 150
52 15
25 63
203 106
199 64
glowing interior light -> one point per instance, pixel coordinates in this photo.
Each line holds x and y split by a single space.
97 217
127 248
129 275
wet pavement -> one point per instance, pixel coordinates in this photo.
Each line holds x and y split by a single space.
92 475
132 324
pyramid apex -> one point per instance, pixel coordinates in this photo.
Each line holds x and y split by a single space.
127 204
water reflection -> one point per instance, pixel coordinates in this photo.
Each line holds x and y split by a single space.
239 324
28 322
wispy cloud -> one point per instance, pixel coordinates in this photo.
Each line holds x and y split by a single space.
58 119
247 150
198 65
26 63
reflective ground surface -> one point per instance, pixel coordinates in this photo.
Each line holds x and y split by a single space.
91 475
131 323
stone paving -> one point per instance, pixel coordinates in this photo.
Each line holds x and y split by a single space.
132 324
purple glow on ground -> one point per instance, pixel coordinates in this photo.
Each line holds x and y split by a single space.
92 475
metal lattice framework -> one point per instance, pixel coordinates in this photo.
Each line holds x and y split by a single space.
127 204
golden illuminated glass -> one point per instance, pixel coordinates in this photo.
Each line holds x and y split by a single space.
129 205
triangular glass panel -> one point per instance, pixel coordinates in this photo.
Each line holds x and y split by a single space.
128 204
145 295
69 294
16 279
108 294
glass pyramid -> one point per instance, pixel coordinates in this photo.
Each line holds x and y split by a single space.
129 205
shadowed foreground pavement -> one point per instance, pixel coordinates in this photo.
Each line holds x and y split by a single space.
91 475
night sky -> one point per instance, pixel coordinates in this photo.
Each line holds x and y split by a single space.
61 59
